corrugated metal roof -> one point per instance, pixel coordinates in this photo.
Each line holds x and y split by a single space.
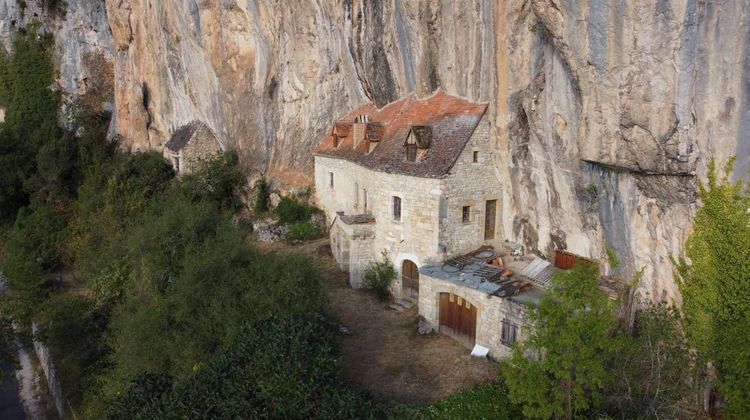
539 271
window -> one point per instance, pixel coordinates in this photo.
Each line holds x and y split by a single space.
330 179
177 164
356 195
364 198
397 209
475 158
411 152
466 214
508 335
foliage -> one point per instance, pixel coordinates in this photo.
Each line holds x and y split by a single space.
277 367
303 231
573 334
655 370
73 329
485 402
263 198
8 348
218 180
292 210
31 119
716 283
378 276
614 262
31 256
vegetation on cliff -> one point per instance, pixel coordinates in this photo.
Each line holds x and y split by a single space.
715 286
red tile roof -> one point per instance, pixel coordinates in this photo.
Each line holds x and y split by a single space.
452 121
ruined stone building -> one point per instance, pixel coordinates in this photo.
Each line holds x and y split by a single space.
190 144
416 180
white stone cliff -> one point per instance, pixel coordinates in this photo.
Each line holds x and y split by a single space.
605 112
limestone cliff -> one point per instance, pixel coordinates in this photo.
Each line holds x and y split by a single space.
82 51
605 112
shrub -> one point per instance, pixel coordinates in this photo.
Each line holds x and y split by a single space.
218 180
303 231
73 330
292 210
277 367
378 277
488 401
263 198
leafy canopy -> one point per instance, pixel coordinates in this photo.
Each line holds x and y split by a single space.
715 285
573 337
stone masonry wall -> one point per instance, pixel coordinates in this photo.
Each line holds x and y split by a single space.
471 184
414 238
491 310
202 146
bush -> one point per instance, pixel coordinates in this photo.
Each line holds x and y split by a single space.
378 277
74 330
277 367
292 210
303 231
218 180
263 198
488 401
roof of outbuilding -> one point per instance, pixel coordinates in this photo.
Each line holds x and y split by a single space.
452 121
181 137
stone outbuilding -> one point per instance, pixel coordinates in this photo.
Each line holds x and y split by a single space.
190 144
415 179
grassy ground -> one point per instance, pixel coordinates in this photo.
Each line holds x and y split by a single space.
384 355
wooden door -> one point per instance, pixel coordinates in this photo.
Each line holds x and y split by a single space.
489 219
410 279
458 319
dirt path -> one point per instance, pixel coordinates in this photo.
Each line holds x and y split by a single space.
385 356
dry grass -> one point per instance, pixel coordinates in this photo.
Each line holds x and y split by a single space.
385 356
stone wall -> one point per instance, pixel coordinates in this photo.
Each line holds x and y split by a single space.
415 237
471 184
53 382
202 146
491 311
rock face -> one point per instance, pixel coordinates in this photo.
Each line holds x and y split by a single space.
83 48
605 112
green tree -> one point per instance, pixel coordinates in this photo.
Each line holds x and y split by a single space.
715 285
263 199
560 370
655 371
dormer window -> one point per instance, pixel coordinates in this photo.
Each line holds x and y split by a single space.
411 152
417 142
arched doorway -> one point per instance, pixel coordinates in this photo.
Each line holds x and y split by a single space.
458 319
410 279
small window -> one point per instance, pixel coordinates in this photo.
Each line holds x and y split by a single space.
356 195
508 335
397 209
411 152
466 214
330 179
475 158
177 164
364 198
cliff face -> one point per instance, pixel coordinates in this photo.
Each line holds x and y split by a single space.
605 112
82 52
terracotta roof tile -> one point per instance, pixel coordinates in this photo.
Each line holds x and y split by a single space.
451 120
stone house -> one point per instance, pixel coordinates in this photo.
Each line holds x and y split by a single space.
190 144
416 181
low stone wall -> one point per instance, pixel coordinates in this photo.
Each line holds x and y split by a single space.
55 389
491 311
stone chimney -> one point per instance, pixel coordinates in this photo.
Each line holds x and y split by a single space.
359 129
